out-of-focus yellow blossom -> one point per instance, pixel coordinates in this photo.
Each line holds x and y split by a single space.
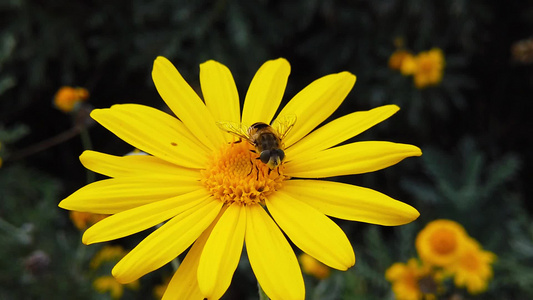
412 281
82 220
159 290
104 284
109 284
68 97
108 253
396 60
473 270
313 267
409 65
441 242
429 68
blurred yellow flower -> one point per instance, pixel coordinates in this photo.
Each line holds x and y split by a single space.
313 267
105 284
107 253
214 191
441 242
412 281
159 290
429 68
473 269
396 60
66 98
82 220
409 65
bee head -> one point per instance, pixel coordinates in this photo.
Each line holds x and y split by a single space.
272 158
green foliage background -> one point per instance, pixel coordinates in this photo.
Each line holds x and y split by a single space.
472 128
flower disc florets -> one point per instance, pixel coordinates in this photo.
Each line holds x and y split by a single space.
236 175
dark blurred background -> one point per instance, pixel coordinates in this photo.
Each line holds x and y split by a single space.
472 127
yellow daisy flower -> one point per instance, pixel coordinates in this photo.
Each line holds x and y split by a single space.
68 97
215 192
473 270
441 242
429 68
411 281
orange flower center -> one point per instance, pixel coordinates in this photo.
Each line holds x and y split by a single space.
443 241
427 66
470 261
236 174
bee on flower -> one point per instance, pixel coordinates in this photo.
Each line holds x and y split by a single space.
211 192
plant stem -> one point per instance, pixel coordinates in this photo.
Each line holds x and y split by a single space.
262 295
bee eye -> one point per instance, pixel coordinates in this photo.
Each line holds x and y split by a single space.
281 154
265 156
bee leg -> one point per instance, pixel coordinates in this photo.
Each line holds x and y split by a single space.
278 171
251 169
269 170
257 174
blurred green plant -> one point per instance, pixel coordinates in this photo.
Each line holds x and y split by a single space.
464 181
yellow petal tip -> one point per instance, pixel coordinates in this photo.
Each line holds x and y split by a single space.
418 151
118 276
85 239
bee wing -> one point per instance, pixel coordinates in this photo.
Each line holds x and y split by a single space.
284 124
236 129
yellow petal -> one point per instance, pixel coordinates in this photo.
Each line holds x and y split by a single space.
184 283
272 259
315 103
349 202
167 242
355 158
143 217
311 231
220 92
154 132
266 91
340 130
185 103
222 252
183 134
133 165
114 195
